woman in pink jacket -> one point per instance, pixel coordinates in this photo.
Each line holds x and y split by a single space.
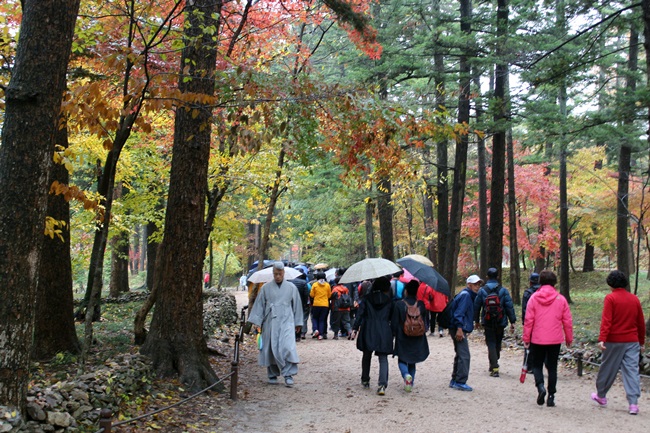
548 324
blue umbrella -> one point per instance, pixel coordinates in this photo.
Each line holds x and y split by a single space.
426 274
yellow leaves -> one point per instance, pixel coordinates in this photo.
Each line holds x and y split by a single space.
63 156
54 227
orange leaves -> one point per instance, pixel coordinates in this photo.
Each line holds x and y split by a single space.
71 192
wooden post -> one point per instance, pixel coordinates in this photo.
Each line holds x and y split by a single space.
578 356
105 421
234 369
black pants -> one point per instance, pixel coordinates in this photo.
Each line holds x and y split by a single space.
493 339
545 355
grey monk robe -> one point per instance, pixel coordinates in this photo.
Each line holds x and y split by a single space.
278 310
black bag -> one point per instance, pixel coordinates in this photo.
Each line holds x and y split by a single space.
444 317
344 300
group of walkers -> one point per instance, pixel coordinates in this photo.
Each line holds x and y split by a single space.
384 323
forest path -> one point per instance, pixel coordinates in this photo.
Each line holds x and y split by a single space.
328 396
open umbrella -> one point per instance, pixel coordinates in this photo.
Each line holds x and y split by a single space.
266 275
321 266
426 274
419 258
368 269
329 274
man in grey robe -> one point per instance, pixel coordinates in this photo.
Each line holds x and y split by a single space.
278 311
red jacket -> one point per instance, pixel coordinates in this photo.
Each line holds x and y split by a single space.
622 319
425 294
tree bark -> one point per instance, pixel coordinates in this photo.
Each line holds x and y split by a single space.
495 254
482 184
452 249
175 342
588 263
54 329
32 114
370 230
515 279
385 216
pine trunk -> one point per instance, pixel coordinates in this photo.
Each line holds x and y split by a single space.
385 216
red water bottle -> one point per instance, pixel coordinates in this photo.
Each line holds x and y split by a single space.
524 368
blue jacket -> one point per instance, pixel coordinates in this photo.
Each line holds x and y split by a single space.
462 311
504 299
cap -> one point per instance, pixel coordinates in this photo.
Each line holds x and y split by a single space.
534 277
492 273
473 279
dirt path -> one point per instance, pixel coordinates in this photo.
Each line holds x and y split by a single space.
328 396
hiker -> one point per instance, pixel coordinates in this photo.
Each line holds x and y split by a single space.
495 319
622 334
278 311
548 324
242 282
303 289
320 293
340 315
409 349
533 285
397 286
461 324
375 334
437 305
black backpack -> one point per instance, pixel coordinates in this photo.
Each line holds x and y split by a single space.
493 308
343 300
444 317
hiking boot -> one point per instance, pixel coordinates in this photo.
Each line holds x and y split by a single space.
602 401
381 390
408 383
273 380
462 387
365 384
550 401
541 394
494 372
452 382
634 409
288 381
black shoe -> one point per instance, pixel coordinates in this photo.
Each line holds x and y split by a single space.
550 401
541 394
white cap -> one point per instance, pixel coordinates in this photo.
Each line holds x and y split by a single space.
473 279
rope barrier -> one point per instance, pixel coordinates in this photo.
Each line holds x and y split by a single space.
106 424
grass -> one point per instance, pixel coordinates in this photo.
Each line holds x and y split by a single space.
587 290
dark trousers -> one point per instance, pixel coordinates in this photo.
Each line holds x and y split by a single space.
320 318
340 321
460 373
545 355
383 367
493 339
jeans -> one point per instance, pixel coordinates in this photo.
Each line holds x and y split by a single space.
406 368
493 339
319 315
383 367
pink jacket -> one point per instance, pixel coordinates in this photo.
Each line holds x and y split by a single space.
548 318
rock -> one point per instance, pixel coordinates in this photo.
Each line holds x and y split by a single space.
60 419
35 412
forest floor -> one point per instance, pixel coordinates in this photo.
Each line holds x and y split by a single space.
328 396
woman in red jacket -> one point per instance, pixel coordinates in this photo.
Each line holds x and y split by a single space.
548 324
622 334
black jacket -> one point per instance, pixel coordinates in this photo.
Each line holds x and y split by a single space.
373 323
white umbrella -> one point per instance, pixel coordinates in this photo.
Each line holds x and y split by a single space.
266 275
420 258
368 269
329 274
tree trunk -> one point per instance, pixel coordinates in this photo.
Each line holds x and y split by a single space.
588 263
152 253
370 230
442 161
512 222
32 116
495 254
54 330
175 342
134 261
276 191
119 282
385 216
482 185
452 249
427 209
